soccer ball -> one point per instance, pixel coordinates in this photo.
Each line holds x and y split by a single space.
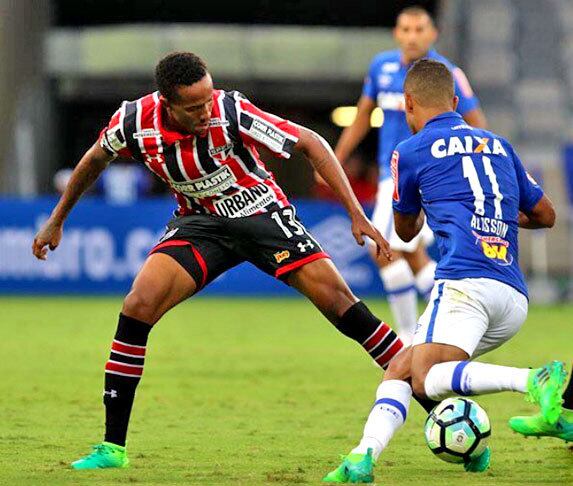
457 430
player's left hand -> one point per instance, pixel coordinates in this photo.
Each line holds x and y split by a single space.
361 226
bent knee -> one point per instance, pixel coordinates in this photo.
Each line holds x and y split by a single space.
419 384
399 367
141 307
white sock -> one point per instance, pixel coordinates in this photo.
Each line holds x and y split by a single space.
425 279
470 378
387 416
399 285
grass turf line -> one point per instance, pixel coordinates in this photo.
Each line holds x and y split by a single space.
235 391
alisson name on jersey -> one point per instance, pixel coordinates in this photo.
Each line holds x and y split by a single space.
490 225
444 147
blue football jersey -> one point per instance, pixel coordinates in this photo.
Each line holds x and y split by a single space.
384 84
471 185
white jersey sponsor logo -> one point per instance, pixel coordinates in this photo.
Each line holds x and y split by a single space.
217 122
388 100
390 67
113 140
221 149
307 245
467 145
208 186
147 133
267 134
384 80
246 202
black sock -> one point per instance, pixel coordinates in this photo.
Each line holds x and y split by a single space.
568 395
426 403
123 371
375 336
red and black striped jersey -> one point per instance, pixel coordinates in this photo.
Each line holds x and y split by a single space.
219 172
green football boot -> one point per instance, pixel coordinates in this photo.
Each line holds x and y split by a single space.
355 468
480 463
535 426
104 455
544 388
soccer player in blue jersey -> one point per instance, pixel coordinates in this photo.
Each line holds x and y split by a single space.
474 192
411 270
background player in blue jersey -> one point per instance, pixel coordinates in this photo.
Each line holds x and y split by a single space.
411 270
475 194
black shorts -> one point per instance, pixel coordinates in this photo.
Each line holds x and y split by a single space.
206 246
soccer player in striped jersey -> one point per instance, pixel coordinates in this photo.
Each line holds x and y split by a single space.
203 143
411 271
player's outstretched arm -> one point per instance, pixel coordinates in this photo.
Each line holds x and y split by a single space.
541 216
89 168
323 160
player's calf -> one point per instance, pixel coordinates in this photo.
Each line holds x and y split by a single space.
123 372
325 287
376 337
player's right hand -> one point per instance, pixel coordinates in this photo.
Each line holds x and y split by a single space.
49 236
362 226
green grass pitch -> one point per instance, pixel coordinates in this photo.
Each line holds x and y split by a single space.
236 391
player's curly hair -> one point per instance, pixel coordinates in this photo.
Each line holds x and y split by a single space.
178 69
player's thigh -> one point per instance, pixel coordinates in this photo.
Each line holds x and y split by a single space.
192 252
278 243
507 315
455 317
323 285
160 285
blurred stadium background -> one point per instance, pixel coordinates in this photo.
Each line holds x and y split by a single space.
66 66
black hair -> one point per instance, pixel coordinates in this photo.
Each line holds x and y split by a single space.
178 69
430 82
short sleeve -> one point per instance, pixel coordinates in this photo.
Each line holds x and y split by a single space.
112 138
468 100
369 86
406 197
262 129
529 191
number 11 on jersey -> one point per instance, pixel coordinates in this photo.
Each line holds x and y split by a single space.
470 173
